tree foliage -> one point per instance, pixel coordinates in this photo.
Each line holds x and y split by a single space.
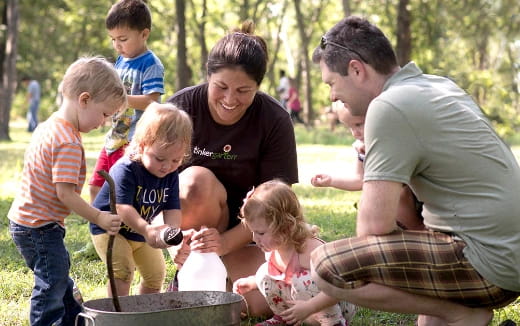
474 42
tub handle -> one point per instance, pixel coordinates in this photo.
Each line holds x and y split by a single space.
85 316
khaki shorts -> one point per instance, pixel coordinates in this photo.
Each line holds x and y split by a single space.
127 255
421 262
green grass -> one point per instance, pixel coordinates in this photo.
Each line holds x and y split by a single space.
332 210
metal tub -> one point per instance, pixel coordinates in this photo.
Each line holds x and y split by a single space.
162 309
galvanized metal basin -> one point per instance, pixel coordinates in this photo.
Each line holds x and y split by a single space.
169 308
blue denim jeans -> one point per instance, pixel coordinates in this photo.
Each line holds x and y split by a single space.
52 301
32 115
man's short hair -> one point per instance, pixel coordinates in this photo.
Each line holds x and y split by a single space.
354 38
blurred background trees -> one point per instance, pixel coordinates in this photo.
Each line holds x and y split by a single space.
474 42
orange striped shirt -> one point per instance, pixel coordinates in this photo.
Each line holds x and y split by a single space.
55 154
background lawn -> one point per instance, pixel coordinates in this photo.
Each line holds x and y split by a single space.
332 210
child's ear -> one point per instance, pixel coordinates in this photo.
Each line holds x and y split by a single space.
84 97
145 33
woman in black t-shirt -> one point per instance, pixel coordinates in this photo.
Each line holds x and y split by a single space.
242 138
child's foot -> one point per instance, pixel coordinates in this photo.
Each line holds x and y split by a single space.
276 320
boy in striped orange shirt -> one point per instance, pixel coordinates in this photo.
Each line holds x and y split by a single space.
52 179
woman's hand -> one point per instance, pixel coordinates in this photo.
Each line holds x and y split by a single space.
207 240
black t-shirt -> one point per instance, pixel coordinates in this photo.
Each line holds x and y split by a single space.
259 147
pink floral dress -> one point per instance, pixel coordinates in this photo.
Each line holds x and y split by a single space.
295 283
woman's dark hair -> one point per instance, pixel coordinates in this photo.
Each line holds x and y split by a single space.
240 49
354 38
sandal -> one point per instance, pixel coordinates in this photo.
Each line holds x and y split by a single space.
276 320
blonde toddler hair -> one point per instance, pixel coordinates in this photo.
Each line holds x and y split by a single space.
164 124
276 202
96 76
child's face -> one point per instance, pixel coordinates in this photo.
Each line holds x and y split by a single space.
356 124
129 43
92 114
262 235
161 161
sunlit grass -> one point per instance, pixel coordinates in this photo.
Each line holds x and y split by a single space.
332 210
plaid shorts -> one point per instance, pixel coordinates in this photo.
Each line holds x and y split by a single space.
421 262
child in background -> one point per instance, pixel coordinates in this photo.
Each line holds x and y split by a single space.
293 103
147 183
352 181
129 23
53 176
273 213
409 211
33 98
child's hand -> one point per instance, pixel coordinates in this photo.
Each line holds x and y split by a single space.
152 235
297 314
180 253
359 146
108 222
244 285
321 180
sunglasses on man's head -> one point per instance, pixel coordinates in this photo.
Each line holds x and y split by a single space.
324 42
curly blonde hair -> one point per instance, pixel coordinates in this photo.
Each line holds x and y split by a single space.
164 124
276 202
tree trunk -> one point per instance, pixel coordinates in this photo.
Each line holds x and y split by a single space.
183 70
404 34
346 8
244 10
274 54
306 65
202 39
9 67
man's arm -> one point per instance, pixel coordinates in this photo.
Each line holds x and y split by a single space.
378 207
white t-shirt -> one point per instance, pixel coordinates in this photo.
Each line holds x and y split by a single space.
283 88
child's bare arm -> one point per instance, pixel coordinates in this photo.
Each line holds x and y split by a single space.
67 194
140 102
131 217
350 182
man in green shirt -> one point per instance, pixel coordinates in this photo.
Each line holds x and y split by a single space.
425 132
